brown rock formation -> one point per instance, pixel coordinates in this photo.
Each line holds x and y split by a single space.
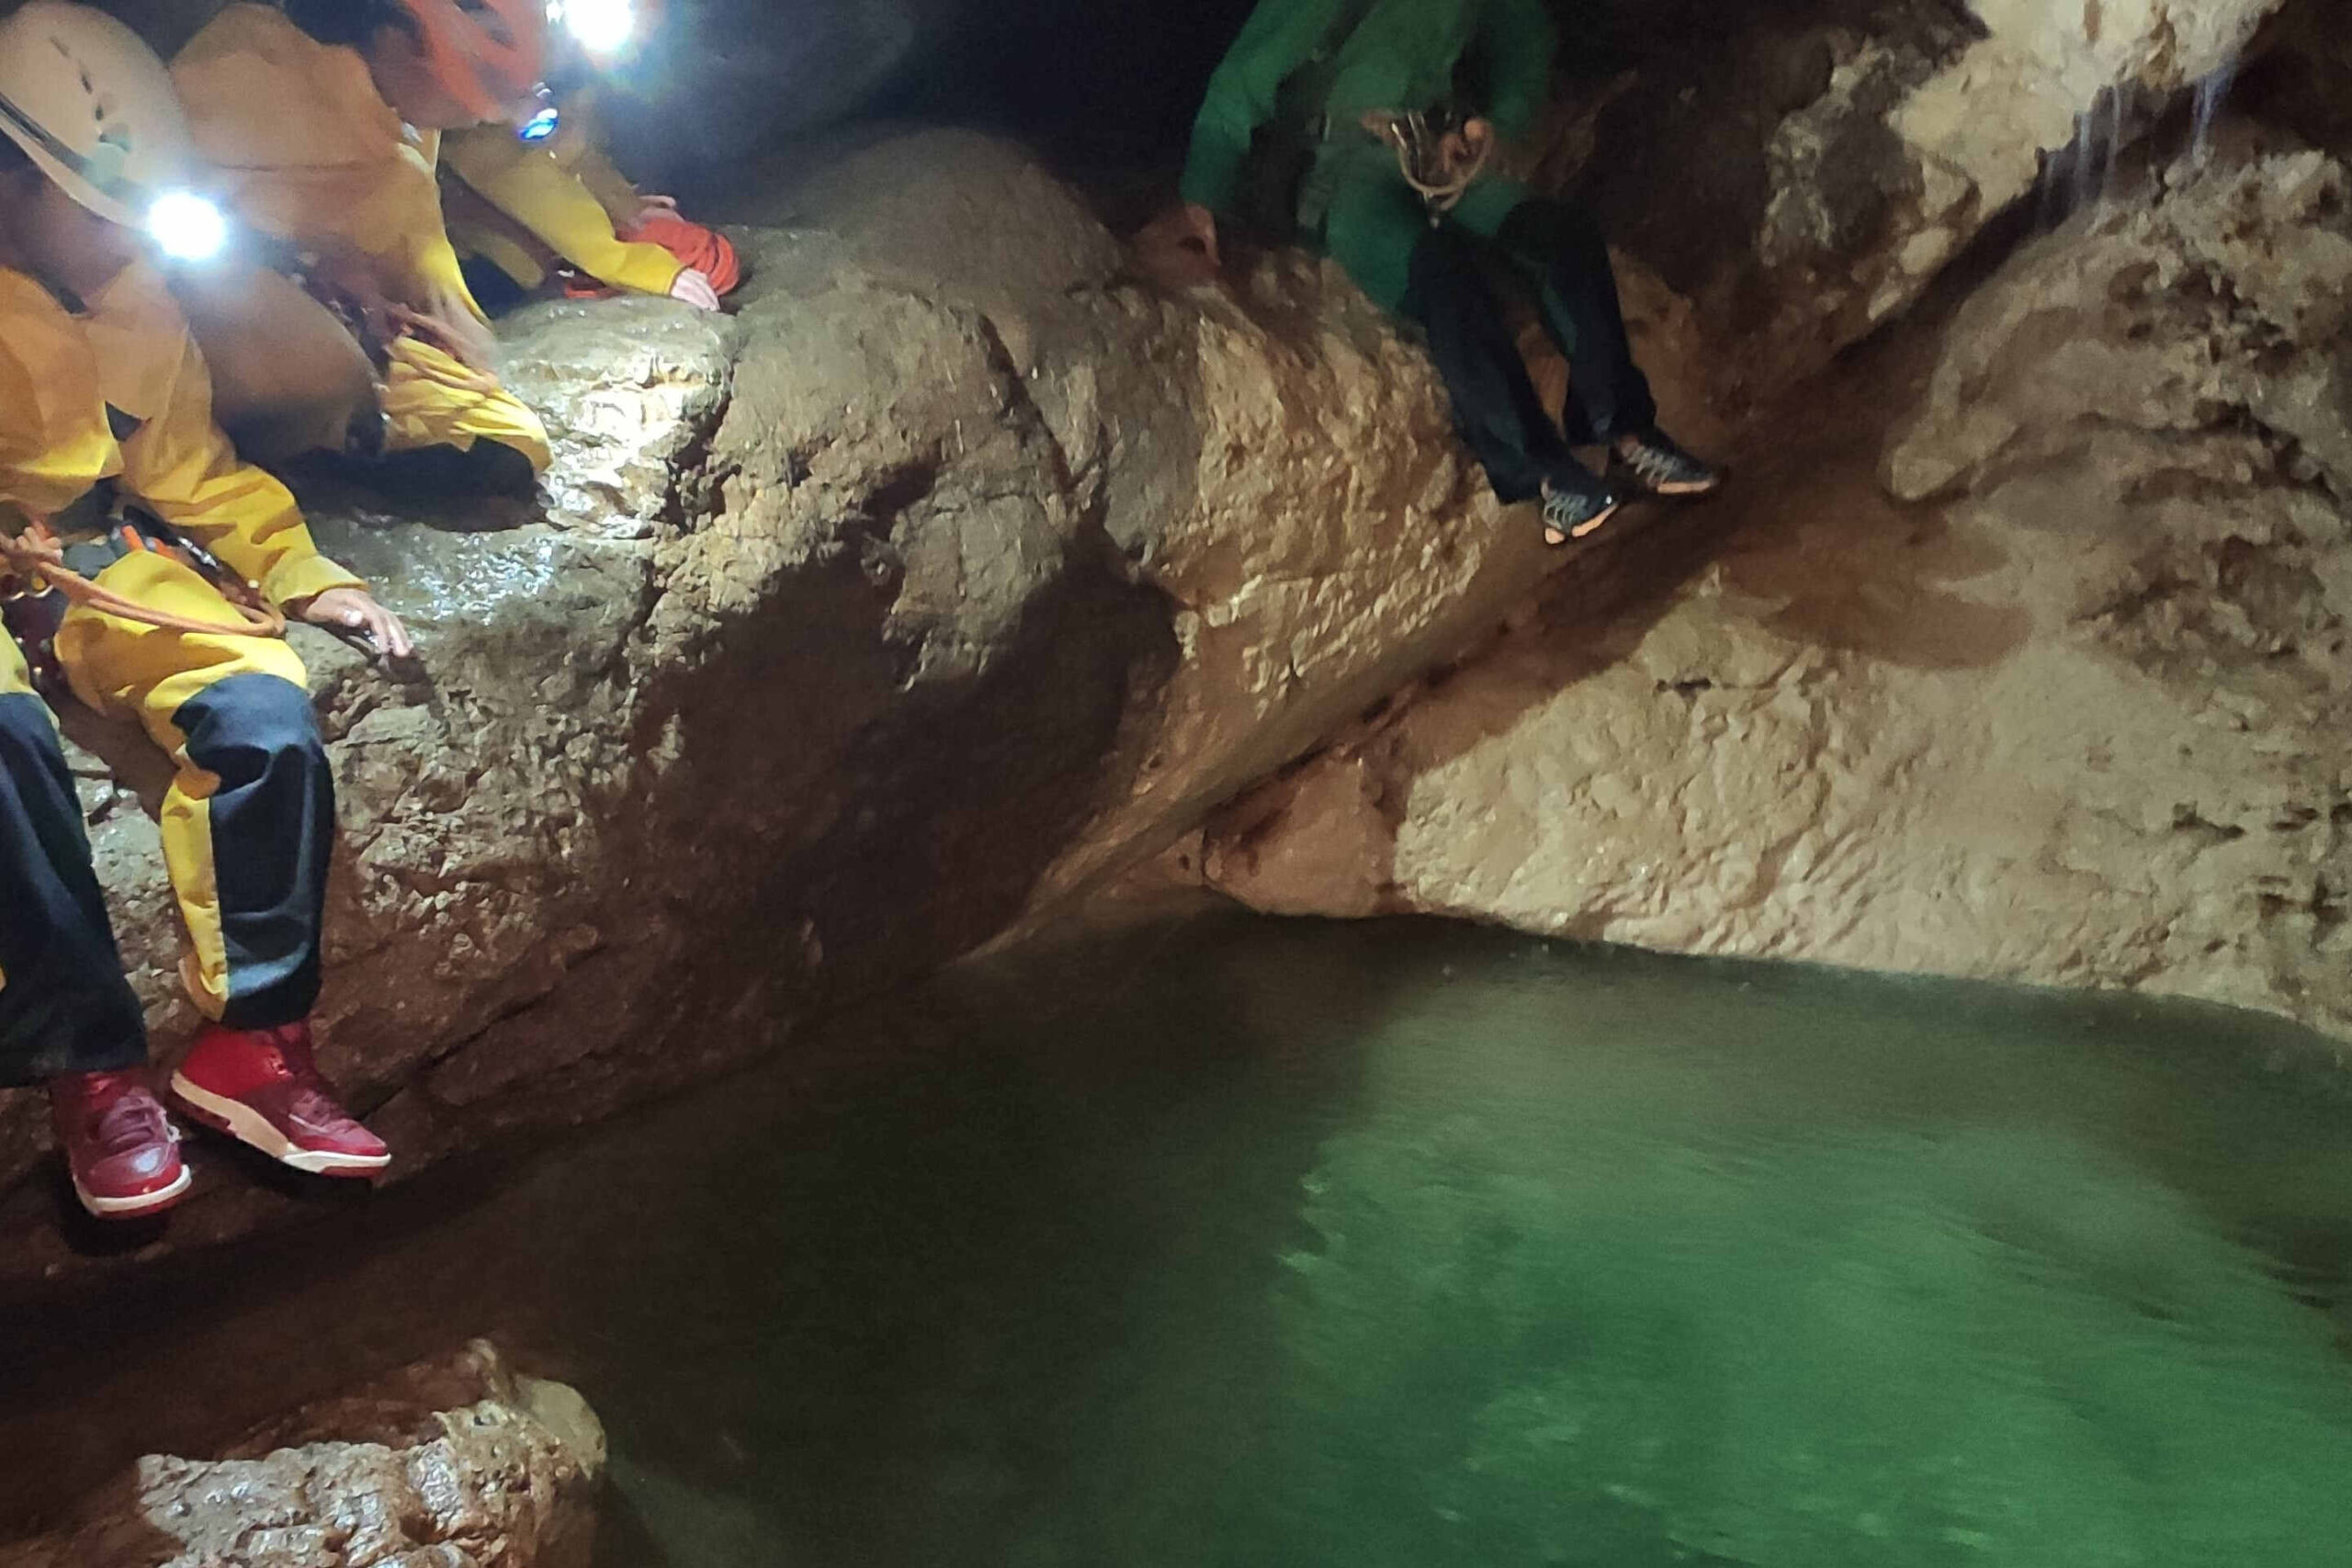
958 567
449 1464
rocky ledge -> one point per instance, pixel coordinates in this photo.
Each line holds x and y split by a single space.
957 569
2025 657
454 1463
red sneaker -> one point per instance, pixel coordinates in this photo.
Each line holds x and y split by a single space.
261 1087
120 1146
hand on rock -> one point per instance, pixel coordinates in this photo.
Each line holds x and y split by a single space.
449 316
696 289
1180 247
344 274
355 611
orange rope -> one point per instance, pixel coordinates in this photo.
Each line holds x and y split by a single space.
36 556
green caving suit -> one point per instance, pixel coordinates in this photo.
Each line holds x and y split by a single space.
1285 111
1404 56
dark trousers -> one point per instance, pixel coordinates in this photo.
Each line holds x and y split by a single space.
1559 253
64 1006
271 822
263 832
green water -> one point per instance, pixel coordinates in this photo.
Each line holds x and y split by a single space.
1248 1242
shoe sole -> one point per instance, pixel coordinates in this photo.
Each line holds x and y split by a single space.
131 1208
253 1129
1678 488
1584 530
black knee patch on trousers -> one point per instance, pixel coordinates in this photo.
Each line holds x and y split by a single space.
272 829
65 1007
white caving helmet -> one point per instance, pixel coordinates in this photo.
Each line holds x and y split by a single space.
95 110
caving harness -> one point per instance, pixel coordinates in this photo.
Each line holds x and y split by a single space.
1423 143
41 576
1290 188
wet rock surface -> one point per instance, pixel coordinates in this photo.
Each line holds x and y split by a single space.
2045 678
454 1463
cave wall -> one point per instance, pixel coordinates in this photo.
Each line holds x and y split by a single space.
2020 653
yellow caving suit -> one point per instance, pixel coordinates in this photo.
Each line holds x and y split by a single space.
565 194
314 156
119 392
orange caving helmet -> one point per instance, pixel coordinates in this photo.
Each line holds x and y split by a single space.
488 53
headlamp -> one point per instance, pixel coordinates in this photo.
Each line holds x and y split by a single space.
185 226
543 119
600 27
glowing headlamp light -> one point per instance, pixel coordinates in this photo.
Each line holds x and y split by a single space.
185 226
601 27
542 121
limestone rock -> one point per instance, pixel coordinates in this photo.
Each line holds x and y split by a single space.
449 1464
1806 182
957 571
2070 711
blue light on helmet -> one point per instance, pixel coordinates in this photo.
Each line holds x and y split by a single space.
541 123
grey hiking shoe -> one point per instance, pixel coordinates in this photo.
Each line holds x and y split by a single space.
1576 504
1655 463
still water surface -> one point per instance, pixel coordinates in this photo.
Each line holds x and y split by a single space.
1242 1242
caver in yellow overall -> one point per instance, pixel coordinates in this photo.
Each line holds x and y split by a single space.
117 397
314 156
563 194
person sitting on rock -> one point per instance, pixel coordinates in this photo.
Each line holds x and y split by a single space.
105 404
1343 122
326 121
556 210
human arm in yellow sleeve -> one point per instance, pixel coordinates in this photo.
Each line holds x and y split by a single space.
530 187
54 443
181 468
620 199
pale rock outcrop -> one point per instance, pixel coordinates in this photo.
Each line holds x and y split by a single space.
1975 135
457 1463
1806 181
2067 708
